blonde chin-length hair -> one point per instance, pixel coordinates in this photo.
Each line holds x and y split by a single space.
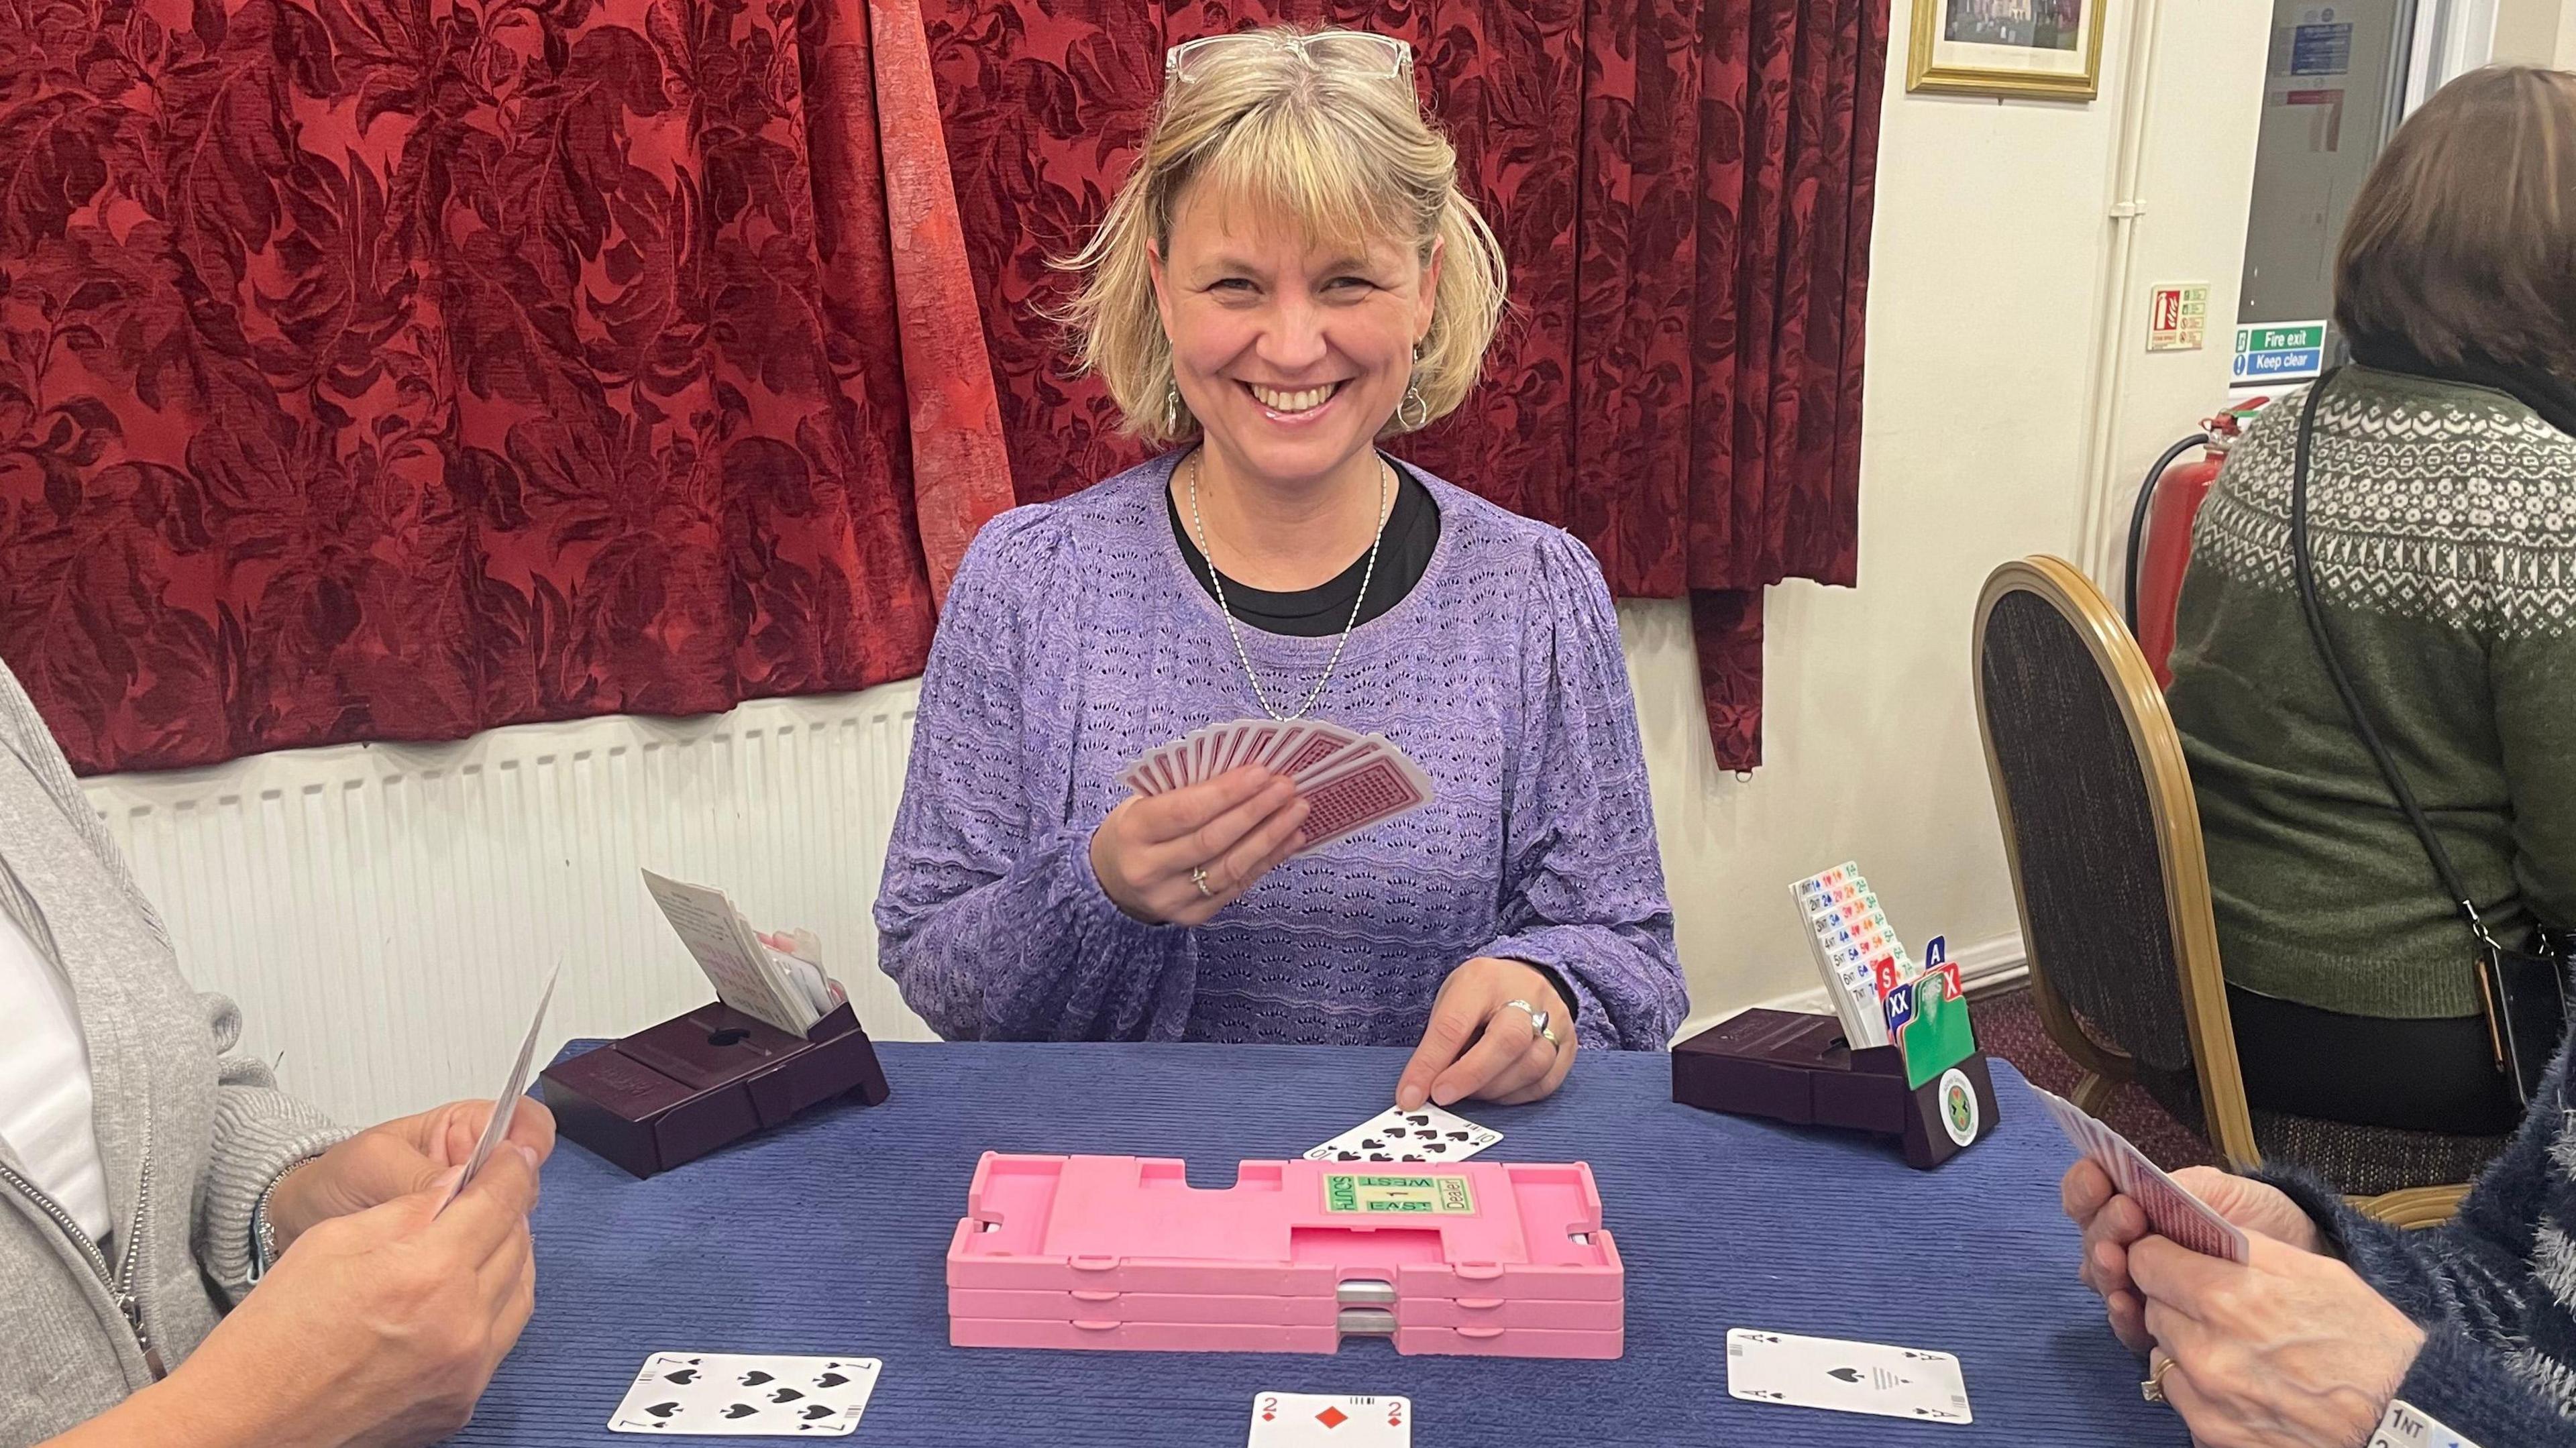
1346 157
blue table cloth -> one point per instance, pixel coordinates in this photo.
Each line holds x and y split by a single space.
828 1237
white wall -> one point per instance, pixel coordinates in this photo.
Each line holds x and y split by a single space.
2536 32
1986 272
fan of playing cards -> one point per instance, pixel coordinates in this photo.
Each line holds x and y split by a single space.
1349 781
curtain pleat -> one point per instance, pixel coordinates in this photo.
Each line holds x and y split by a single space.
381 369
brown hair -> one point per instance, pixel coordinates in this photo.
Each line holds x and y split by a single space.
2462 242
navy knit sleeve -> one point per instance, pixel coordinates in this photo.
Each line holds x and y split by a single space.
2492 1288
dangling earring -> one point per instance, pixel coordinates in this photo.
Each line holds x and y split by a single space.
1171 409
1413 398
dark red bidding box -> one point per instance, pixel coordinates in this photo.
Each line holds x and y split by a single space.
675 1092
1798 1068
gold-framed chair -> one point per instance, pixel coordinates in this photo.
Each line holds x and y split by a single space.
2102 834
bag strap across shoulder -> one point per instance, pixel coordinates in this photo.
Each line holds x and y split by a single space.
2305 570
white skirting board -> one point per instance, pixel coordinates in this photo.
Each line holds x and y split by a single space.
385 913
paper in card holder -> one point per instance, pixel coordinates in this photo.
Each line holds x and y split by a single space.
1793 1067
674 1092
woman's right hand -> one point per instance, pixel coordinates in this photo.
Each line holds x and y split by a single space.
1232 829
378 1328
2112 1223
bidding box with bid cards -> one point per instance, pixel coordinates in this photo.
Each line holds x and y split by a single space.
1897 1057
672 1093
1501 1259
1797 1068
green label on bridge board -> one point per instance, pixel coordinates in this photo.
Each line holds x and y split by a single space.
1401 1195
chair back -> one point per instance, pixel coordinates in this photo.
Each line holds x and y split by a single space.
2160 547
2103 838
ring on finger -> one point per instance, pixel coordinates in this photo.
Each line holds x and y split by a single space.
1198 877
1537 1019
2153 1388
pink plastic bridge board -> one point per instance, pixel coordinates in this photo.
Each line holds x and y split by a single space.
1492 1258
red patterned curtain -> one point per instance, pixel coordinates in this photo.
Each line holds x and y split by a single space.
392 369
1683 190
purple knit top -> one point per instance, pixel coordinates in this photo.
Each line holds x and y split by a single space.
1075 639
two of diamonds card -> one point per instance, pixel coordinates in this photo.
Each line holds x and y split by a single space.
1330 1420
1349 781
746 1395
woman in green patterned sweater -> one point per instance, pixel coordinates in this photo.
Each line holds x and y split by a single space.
2442 522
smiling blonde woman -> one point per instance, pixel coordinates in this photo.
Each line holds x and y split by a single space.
1289 275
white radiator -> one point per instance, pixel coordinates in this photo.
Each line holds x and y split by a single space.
385 913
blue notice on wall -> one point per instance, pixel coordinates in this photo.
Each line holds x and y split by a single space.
2285 366
2321 49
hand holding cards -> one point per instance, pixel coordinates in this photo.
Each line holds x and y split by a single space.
2170 1207
1349 781
506 1105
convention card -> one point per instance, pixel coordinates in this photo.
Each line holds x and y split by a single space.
746 1395
506 1105
2407 1426
1330 1420
1426 1133
2170 1207
1845 1377
1350 801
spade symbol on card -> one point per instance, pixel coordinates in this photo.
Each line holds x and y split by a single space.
740 1410
785 1395
682 1378
1458 1136
664 1410
754 1378
1849 1375
815 1412
830 1380
1419 1120
1373 1144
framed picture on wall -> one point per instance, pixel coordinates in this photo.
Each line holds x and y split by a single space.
2044 49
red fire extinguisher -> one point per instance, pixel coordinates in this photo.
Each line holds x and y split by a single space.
2160 532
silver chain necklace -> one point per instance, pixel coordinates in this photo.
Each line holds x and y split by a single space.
1235 633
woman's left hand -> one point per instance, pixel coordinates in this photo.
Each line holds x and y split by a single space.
2288 1350
394 1159
1479 1044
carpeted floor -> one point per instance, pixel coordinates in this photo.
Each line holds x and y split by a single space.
2008 1026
